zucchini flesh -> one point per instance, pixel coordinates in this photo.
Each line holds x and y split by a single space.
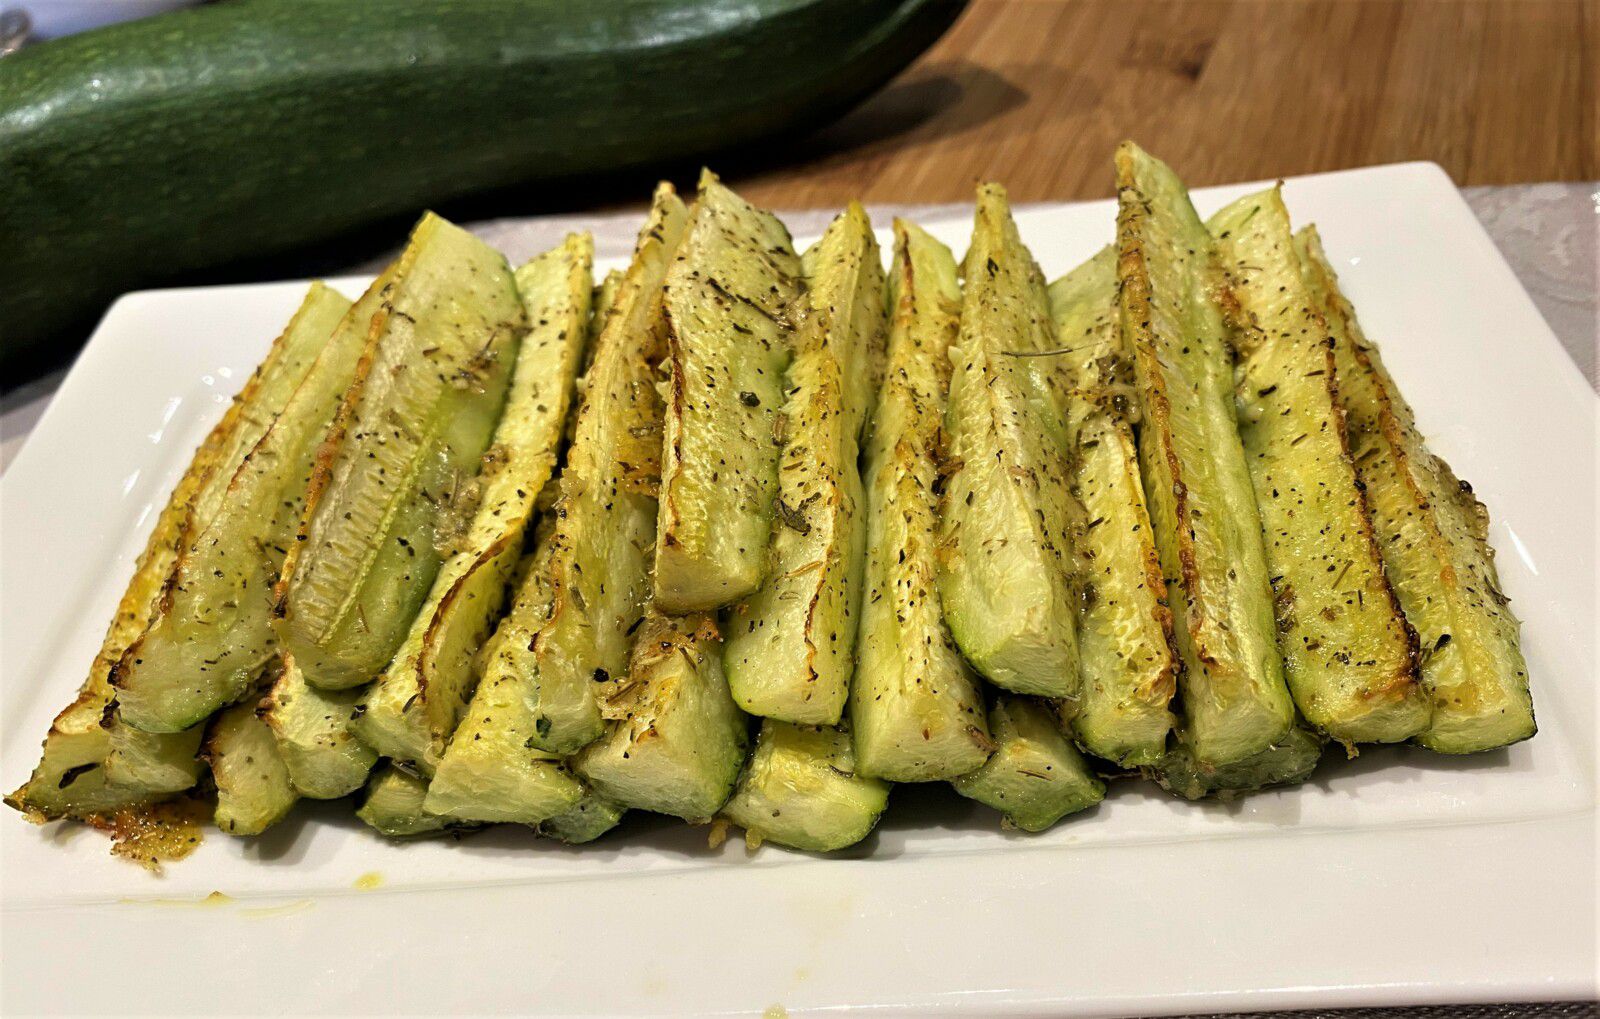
71 778
1432 532
916 711
800 790
394 485
1348 653
393 806
1290 761
1035 776
421 695
575 613
676 740
729 304
315 738
159 762
790 647
1126 661
213 635
1197 486
254 791
1006 570
588 819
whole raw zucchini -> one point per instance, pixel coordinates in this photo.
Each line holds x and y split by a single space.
134 154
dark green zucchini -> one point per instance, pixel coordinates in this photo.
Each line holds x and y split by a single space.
137 153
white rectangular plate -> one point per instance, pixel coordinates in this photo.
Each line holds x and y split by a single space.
1400 877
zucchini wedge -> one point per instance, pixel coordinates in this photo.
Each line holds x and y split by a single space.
790 647
1290 761
213 634
489 775
393 806
730 303
421 695
574 614
394 487
1006 555
916 710
210 637
1433 534
254 791
160 762
1197 486
676 741
92 760
1126 660
492 770
1035 776
588 819
315 736
799 789
1348 653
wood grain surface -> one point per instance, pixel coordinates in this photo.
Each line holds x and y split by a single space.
1036 93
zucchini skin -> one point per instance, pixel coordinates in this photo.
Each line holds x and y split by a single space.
392 806
1006 568
1197 485
916 710
588 819
789 649
1127 662
1432 532
1348 654
730 302
1290 761
133 154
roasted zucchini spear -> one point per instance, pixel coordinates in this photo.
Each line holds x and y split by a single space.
160 762
585 821
1126 661
210 635
800 789
790 647
254 791
1006 556
1433 534
70 778
421 695
675 740
315 735
916 711
578 606
1290 761
393 805
394 489
93 761
1035 776
491 770
1348 654
1208 532
731 297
